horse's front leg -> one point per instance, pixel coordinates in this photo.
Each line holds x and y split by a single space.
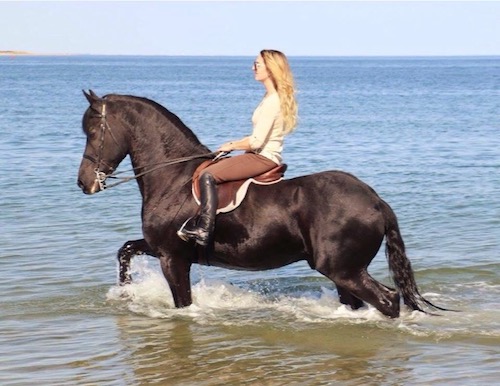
177 274
125 253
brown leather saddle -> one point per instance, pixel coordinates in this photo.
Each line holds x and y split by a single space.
232 193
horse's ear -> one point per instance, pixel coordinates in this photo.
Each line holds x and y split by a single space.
92 97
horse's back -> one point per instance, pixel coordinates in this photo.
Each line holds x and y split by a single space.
317 200
321 188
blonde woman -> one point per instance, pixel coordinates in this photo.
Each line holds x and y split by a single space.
272 120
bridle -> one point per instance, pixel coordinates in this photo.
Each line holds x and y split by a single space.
101 177
103 126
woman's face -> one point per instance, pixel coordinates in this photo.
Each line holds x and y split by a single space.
259 69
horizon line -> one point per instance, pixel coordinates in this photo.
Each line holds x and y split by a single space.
29 53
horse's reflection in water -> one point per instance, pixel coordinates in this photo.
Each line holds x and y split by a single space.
331 219
179 350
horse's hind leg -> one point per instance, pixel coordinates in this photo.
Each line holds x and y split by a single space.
362 286
383 298
349 299
125 253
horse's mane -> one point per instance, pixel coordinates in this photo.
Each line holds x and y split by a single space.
164 112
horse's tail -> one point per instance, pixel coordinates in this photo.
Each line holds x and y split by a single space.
400 265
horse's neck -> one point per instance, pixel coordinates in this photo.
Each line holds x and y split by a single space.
166 181
156 138
156 148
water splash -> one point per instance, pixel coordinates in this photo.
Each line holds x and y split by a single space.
220 302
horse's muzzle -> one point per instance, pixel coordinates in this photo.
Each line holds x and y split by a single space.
94 188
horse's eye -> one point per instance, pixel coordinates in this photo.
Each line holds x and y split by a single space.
92 132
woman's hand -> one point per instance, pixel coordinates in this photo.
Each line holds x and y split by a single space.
242 144
226 147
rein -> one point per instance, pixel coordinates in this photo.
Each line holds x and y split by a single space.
153 168
101 177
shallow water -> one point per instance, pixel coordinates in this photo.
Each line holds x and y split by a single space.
422 131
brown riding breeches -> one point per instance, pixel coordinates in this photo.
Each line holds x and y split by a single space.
239 167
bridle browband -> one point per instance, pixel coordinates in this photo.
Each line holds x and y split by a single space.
101 176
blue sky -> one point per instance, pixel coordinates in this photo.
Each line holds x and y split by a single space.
243 28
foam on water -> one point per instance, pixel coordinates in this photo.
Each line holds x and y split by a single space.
215 300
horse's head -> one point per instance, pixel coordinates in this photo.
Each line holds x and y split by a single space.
105 147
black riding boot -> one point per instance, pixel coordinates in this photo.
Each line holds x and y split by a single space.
200 229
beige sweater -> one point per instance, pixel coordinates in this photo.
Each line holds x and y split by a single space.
268 129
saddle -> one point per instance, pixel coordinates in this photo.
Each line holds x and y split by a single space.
232 193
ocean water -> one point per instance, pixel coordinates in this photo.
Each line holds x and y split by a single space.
423 132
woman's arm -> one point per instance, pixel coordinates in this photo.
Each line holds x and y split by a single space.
242 144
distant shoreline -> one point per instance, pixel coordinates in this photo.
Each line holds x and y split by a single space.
15 53
28 53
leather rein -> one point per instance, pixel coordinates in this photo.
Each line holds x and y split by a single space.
101 177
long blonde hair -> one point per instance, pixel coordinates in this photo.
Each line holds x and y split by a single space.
281 75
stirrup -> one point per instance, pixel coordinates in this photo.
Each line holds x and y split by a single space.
183 235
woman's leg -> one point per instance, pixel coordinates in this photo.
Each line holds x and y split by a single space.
247 165
239 167
200 228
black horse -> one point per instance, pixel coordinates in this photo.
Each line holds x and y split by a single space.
331 219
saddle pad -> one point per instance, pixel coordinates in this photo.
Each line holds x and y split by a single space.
230 199
231 194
